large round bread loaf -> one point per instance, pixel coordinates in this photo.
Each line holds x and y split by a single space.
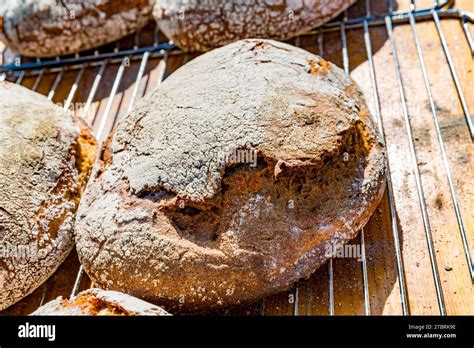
100 302
45 159
230 181
50 28
197 25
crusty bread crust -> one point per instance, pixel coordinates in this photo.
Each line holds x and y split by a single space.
165 219
45 158
50 28
201 25
100 302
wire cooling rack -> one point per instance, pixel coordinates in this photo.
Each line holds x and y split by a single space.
19 68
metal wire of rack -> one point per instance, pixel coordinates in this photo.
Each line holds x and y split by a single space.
439 11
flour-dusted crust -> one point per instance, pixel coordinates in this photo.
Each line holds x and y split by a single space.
45 158
166 219
100 302
50 28
201 25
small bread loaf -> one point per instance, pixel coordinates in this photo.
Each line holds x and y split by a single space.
196 25
50 28
100 302
229 182
45 160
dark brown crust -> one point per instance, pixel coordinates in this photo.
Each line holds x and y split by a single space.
196 25
180 228
45 165
51 28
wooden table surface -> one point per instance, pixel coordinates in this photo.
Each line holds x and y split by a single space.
382 275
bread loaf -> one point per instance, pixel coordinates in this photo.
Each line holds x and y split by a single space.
229 182
50 28
45 159
196 25
100 302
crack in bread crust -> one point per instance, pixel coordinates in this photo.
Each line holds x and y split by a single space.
165 219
